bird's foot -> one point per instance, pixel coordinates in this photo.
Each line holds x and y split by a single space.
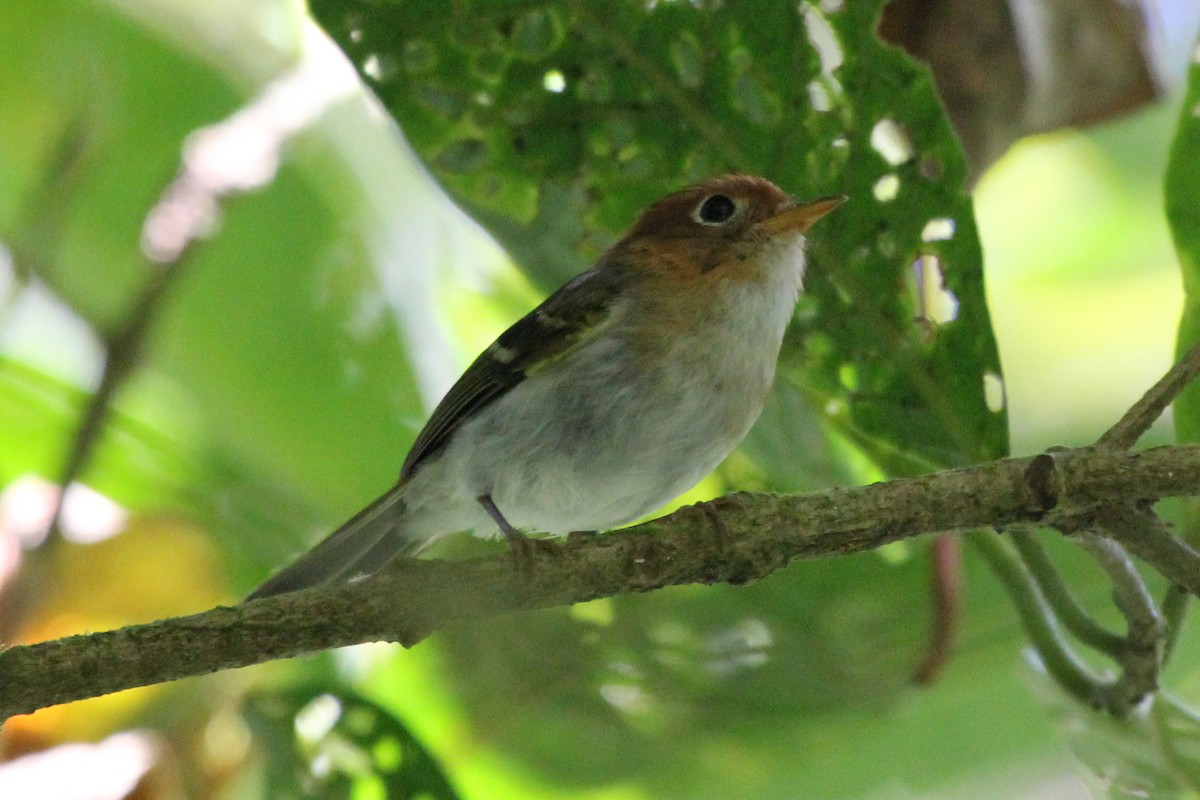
524 549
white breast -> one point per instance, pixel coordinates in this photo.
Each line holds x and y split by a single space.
600 439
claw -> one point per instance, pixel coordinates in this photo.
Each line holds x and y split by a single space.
522 547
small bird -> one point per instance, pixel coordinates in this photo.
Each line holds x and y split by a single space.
617 394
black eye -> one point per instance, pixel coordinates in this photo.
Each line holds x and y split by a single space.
715 209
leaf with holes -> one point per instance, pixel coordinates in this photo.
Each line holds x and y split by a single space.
554 123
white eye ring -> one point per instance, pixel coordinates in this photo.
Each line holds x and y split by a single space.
716 209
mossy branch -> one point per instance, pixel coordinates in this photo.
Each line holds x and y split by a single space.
736 539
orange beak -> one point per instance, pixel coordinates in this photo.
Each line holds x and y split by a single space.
799 218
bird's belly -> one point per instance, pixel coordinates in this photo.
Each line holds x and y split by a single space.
603 456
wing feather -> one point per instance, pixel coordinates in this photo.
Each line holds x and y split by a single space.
566 319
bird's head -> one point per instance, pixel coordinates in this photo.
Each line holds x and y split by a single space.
731 228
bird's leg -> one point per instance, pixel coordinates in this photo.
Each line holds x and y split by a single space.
522 546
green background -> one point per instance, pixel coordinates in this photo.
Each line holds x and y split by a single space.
300 345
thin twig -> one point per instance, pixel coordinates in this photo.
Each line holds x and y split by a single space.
1174 608
1038 620
219 161
1069 611
124 352
1130 594
1145 535
1138 419
1141 658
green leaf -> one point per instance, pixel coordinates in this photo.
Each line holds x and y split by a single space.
1181 189
554 123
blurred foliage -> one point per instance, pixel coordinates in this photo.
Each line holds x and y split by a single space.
1154 754
91 156
291 364
1182 190
326 741
1083 283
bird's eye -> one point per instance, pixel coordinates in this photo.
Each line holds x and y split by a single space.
715 209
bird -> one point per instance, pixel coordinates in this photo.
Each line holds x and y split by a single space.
621 391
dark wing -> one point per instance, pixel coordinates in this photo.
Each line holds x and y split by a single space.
567 318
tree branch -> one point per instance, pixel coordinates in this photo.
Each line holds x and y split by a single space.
1138 419
759 535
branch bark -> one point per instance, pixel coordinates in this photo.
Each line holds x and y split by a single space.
737 538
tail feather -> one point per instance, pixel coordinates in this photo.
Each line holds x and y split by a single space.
359 547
